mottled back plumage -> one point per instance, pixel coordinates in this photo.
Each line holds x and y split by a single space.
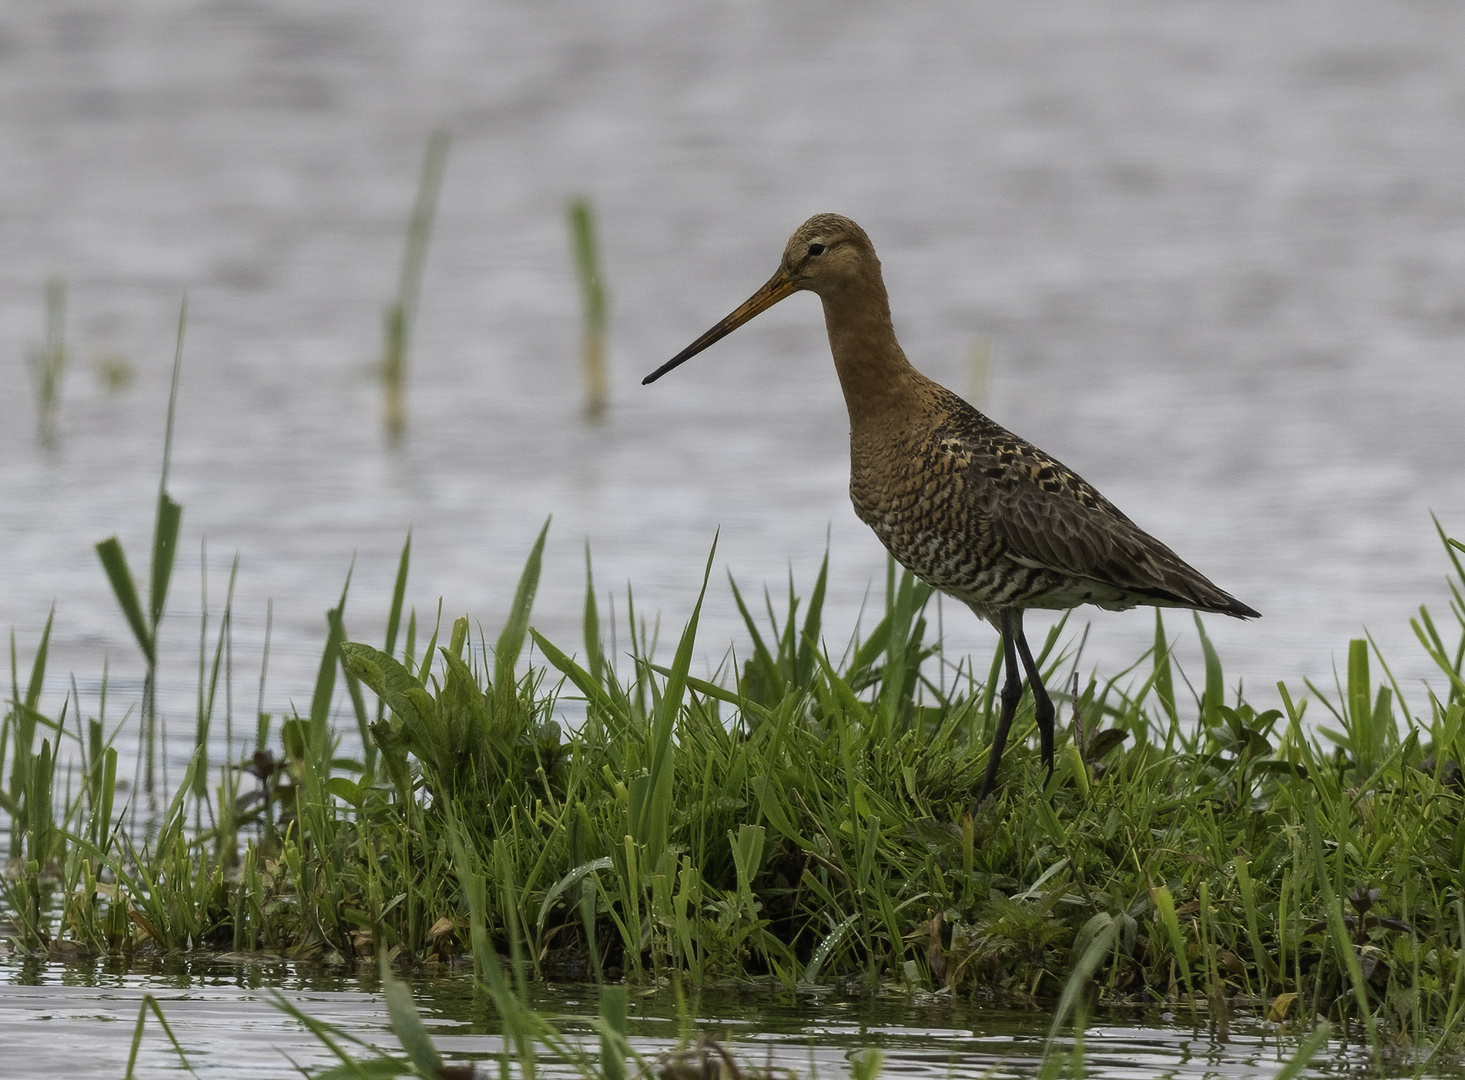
963 503
991 520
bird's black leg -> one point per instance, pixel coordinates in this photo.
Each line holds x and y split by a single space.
1043 711
1010 626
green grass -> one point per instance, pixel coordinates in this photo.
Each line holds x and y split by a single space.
48 364
401 314
593 301
144 621
804 817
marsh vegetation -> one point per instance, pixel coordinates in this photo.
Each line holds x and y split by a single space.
588 812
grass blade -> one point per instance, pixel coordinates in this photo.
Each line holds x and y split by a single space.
593 303
114 562
402 313
407 1023
325 679
399 593
165 547
651 820
511 639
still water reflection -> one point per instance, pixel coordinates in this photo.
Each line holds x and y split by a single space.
78 1022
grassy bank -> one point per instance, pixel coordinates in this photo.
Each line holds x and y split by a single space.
808 817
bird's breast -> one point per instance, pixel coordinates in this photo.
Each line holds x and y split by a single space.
920 502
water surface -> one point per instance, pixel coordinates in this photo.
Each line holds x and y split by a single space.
79 1020
1216 252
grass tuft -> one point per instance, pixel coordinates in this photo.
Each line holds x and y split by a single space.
806 817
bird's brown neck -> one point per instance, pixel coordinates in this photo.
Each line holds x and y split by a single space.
880 385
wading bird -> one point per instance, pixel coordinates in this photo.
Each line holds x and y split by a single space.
961 502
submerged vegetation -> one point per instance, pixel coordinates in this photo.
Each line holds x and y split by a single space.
593 303
401 314
529 1039
48 363
806 817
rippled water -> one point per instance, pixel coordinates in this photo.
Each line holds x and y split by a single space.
1216 251
79 1021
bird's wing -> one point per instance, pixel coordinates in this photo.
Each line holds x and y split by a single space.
1043 514
1076 532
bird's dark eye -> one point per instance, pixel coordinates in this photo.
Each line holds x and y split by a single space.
816 249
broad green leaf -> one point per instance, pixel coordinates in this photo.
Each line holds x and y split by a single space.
603 863
165 548
826 948
390 681
593 653
38 665
115 564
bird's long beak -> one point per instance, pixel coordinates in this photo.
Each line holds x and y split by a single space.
779 286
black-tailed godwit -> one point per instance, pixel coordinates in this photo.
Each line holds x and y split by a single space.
963 503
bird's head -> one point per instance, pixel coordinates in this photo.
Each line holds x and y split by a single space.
823 255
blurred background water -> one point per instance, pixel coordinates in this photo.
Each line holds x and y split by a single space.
1215 252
